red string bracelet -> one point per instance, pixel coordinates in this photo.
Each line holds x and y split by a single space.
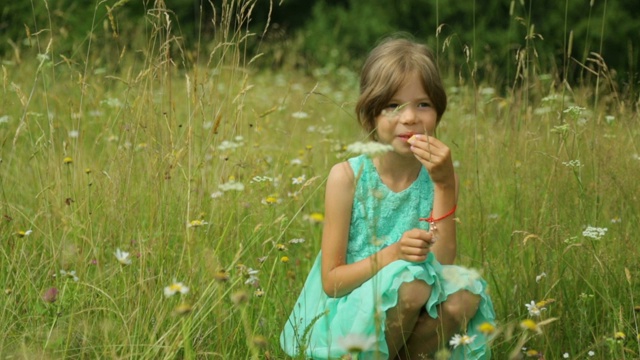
432 220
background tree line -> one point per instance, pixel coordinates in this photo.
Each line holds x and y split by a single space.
572 39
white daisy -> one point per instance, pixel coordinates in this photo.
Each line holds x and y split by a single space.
175 287
123 257
458 340
357 343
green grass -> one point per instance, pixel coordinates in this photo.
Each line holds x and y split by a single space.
150 151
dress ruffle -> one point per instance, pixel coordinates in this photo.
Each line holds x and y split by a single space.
318 321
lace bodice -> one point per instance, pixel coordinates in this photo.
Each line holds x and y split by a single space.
380 216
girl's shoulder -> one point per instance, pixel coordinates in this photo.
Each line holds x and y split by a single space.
341 174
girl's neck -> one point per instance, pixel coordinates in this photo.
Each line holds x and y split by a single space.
397 169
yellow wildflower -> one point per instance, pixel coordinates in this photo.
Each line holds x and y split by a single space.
486 328
68 160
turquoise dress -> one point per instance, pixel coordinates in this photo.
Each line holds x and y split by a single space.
379 218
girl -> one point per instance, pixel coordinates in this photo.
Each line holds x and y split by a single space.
385 273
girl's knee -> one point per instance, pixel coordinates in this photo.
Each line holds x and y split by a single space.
412 296
461 306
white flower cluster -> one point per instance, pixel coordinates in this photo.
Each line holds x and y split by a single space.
259 179
572 163
237 142
299 115
594 232
112 102
534 310
71 274
574 111
231 185
370 148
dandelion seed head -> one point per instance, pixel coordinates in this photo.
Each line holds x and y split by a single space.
371 148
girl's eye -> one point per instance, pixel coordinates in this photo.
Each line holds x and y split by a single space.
424 104
392 106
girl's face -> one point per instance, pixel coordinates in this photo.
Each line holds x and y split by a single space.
409 112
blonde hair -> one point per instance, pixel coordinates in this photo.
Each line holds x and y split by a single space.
384 72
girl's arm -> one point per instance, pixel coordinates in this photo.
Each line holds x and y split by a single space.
338 277
436 157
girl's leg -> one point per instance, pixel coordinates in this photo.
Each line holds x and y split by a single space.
430 334
401 319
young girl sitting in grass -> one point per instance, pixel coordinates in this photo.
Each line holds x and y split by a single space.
383 285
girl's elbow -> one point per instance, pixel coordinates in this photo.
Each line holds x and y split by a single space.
330 289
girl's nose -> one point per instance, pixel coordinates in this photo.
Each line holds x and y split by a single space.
408 115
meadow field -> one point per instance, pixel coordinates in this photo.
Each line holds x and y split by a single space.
167 203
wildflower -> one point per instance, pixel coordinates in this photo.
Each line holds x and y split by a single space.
486 328
252 278
175 287
50 295
616 220
123 257
298 180
87 171
284 259
357 343
4 119
295 162
532 353
296 241
371 149
8 291
260 341
458 340
271 200
231 185
24 233
221 276
229 145
281 247
112 102
182 309
619 335
257 179
299 115
314 218
609 119
74 134
572 163
531 325
259 292
67 160
565 355
216 194
533 308
71 274
574 111
197 223
594 232
591 353
239 298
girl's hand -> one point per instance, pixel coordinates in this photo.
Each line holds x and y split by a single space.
414 245
436 158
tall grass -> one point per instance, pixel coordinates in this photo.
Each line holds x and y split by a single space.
186 159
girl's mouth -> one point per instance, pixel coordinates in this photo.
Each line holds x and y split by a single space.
405 137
